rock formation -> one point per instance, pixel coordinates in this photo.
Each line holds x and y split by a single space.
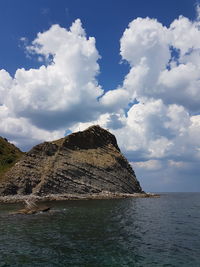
84 162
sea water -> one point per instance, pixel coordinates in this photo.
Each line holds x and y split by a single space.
161 231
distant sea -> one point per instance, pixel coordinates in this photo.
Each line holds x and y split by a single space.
161 231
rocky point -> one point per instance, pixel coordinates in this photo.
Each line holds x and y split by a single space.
87 162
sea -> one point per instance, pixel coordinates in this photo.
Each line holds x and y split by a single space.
161 231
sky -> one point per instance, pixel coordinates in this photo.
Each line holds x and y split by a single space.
131 66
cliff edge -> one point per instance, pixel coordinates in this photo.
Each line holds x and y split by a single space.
86 162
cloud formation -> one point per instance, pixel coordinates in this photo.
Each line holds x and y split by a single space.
64 90
154 112
21 132
164 62
160 130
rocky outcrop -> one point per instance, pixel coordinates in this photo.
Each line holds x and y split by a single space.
84 162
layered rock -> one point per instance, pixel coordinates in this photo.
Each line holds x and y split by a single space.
83 162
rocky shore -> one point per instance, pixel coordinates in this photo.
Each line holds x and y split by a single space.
81 166
57 197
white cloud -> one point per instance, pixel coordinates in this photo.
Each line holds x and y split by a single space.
153 113
23 134
151 165
165 62
64 91
113 100
39 104
181 85
185 35
145 38
156 131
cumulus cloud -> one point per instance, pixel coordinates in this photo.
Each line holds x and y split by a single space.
61 92
153 113
115 99
164 62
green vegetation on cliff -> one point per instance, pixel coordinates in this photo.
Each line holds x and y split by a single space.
9 154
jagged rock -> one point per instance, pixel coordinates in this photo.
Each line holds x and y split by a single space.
83 162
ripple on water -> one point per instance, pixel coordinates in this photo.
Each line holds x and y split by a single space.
123 232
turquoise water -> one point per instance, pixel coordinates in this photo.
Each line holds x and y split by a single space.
161 231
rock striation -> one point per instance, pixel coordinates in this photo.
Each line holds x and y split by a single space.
87 162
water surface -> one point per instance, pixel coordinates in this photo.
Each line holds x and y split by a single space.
161 231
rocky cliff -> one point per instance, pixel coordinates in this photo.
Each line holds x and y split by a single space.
83 162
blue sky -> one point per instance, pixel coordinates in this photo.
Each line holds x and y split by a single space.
128 79
105 20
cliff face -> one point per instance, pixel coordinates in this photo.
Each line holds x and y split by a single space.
9 154
83 162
